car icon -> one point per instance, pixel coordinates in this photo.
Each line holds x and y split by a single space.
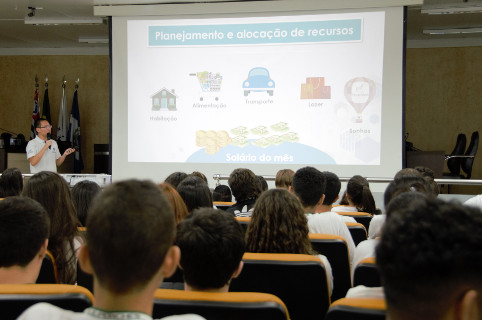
258 80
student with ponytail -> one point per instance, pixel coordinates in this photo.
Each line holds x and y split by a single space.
359 197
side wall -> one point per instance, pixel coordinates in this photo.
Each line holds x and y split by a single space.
443 97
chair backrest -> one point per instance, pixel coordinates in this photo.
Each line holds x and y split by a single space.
222 205
357 309
454 163
48 271
366 273
361 217
15 298
358 232
299 280
217 305
335 249
467 163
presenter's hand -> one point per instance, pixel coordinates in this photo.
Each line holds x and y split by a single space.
69 151
48 143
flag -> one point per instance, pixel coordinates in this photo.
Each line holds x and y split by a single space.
46 106
35 115
73 135
62 124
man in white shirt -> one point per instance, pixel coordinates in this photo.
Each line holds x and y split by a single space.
42 152
309 185
129 250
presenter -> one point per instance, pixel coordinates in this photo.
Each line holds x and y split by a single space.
43 152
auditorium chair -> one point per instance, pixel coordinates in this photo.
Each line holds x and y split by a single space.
454 160
219 305
299 280
335 249
357 309
48 271
468 160
15 298
366 273
358 232
361 217
221 205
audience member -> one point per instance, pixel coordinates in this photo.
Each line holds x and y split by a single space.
332 194
176 201
246 189
283 178
11 183
129 251
263 183
309 186
200 175
212 246
279 225
175 178
195 193
24 232
430 261
429 176
53 193
222 193
83 193
358 196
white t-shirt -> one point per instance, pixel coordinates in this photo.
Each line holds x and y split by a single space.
365 249
475 201
376 224
329 273
331 223
47 162
47 311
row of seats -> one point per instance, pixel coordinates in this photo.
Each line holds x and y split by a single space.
14 298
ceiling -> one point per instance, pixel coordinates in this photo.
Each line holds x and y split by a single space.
16 35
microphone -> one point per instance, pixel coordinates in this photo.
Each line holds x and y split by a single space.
49 136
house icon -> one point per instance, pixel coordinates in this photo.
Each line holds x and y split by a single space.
164 100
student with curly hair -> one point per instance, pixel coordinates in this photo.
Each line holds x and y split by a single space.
246 189
279 225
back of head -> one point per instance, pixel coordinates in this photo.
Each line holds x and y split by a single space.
244 184
175 178
406 181
222 193
177 203
82 195
284 178
359 193
130 228
333 186
278 225
200 175
212 246
263 184
11 183
24 227
429 256
309 185
195 193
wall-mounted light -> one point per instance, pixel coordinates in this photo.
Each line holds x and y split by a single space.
93 40
62 21
451 31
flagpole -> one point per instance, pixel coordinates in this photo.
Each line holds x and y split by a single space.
36 110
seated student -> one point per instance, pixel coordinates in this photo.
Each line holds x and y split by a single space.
358 196
175 178
177 203
212 246
279 225
332 194
283 179
246 189
263 183
129 251
430 261
222 193
11 183
195 193
82 195
24 232
309 186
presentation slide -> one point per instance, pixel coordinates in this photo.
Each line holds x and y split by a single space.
284 90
